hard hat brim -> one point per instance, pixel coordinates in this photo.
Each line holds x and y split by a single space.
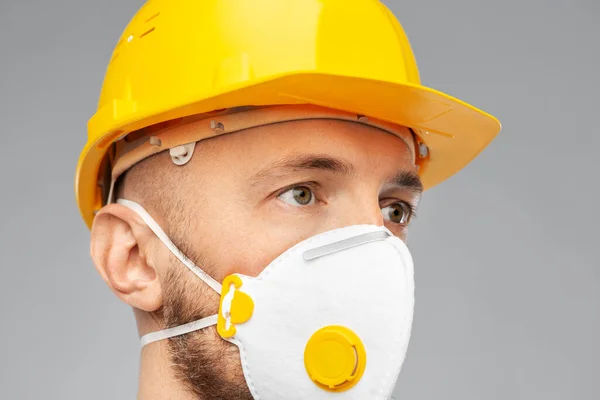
455 132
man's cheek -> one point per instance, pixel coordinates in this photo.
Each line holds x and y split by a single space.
252 255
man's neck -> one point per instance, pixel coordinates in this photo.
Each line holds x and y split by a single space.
157 380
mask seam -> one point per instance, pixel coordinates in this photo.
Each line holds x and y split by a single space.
407 324
396 341
246 369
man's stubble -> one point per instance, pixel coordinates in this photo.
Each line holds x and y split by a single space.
207 365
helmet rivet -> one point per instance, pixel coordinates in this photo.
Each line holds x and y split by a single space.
217 126
154 141
423 150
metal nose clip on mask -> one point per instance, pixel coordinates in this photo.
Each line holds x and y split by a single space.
329 318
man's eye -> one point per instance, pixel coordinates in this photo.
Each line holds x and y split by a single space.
398 213
298 196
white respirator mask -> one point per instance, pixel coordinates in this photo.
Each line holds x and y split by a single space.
329 318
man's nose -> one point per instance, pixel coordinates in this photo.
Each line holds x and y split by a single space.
358 211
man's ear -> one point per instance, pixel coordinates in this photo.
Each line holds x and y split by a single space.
119 249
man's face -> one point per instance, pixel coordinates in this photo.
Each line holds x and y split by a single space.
261 191
248 197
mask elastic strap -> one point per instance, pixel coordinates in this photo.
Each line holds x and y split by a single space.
139 210
179 330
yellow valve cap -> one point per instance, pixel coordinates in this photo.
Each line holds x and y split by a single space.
335 358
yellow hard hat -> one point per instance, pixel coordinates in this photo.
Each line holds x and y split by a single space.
178 58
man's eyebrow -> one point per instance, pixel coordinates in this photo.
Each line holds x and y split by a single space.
406 179
304 162
409 180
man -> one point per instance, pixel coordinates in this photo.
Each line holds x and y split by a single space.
237 146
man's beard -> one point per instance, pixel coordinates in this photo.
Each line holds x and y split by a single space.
206 364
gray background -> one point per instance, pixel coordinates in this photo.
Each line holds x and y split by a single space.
508 276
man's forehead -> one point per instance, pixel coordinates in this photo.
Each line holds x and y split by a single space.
325 139
338 130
